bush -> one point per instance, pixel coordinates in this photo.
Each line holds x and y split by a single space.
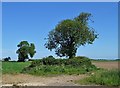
48 70
60 62
45 61
79 61
36 63
31 59
50 65
50 60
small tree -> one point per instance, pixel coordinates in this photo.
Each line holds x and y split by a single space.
7 59
69 34
25 49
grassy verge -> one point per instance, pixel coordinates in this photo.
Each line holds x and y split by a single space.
103 77
46 70
13 67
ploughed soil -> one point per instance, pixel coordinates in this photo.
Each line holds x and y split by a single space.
107 64
61 80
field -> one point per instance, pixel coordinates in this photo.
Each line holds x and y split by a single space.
12 75
13 67
106 64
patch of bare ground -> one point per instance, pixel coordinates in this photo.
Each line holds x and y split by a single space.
106 64
30 80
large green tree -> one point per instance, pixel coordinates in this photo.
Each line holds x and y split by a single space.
69 34
25 50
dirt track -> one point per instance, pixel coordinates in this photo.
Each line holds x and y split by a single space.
62 80
22 79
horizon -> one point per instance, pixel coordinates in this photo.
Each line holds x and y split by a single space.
33 21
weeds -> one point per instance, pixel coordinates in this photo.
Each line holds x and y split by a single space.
103 77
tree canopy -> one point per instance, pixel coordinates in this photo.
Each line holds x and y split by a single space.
7 59
25 50
69 34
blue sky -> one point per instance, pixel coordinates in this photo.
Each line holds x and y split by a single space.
33 21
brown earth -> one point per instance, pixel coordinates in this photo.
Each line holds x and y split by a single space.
61 80
23 79
106 65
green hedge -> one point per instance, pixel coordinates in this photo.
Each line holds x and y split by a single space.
50 60
78 61
50 65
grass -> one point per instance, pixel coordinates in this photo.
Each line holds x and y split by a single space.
51 66
103 77
0 68
46 70
13 67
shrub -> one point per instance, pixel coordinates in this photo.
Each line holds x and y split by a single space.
79 61
50 65
60 61
54 70
36 63
45 61
31 60
48 60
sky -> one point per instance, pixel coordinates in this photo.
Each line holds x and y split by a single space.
60 0
33 21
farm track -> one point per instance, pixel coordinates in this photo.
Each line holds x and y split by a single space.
23 79
61 80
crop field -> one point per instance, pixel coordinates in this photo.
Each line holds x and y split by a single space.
106 64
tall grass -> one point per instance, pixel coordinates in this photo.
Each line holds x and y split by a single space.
46 70
103 77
